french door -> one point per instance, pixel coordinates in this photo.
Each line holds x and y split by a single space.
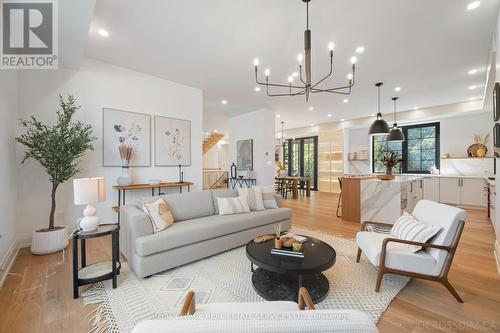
301 158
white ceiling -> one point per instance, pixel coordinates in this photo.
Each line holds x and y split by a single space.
426 47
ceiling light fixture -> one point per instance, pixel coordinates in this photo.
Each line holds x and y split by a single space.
397 89
472 87
395 135
342 119
257 89
415 108
360 50
224 102
345 100
306 86
379 126
329 115
312 125
473 5
278 116
311 108
103 33
472 71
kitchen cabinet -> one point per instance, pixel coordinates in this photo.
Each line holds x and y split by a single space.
449 190
415 194
473 192
431 189
462 191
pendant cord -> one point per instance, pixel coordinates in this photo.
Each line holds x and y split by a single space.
307 15
378 99
394 110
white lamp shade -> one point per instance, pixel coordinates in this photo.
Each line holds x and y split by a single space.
89 190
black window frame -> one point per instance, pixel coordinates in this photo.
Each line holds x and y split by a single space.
288 144
404 164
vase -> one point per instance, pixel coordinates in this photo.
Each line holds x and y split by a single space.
388 171
125 179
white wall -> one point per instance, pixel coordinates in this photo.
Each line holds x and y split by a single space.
217 157
259 126
97 85
358 139
8 164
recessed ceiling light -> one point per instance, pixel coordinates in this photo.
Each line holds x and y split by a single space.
215 130
277 116
311 108
345 100
295 74
342 119
312 125
360 50
473 5
103 32
415 108
472 98
397 89
257 89
329 115
372 115
472 87
224 102
472 71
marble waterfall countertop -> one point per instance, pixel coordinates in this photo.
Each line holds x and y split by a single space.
397 179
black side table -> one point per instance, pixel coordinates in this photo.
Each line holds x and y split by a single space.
99 271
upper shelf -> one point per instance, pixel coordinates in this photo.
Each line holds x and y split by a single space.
467 158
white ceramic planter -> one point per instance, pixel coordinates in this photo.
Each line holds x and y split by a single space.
45 242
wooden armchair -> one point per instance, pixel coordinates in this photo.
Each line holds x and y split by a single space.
304 301
433 262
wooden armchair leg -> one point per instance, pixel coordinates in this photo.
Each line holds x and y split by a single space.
358 256
380 276
189 307
452 290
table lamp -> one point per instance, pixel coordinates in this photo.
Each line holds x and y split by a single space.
88 191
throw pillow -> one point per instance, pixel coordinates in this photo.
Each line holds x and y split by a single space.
159 214
409 228
229 206
254 197
268 197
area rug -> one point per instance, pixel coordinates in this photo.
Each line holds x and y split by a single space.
226 277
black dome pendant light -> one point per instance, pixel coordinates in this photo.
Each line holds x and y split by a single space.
395 135
379 126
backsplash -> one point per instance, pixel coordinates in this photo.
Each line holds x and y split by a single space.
467 166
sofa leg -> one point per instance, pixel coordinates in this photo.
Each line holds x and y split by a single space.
358 256
452 290
380 275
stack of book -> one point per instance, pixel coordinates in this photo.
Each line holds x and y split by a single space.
287 252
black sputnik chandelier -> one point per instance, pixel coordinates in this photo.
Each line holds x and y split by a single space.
304 85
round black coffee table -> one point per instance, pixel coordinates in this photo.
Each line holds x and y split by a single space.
279 278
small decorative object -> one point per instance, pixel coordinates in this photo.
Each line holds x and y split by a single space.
297 246
446 155
126 155
287 241
234 172
478 149
128 128
181 174
262 239
434 171
58 149
244 154
172 141
277 234
154 182
88 191
390 159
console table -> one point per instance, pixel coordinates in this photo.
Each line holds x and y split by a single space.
134 187
249 182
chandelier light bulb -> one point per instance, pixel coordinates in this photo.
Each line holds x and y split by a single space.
256 62
353 60
331 46
300 57
349 76
360 50
267 72
290 79
295 74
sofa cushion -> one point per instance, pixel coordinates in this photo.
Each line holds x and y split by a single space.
222 194
188 205
246 307
200 229
398 256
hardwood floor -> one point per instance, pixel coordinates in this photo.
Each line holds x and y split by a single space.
40 298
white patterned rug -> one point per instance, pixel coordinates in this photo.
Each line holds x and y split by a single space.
226 277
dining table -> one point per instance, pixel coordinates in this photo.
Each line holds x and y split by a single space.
295 184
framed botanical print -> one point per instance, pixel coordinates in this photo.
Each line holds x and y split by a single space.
125 128
172 141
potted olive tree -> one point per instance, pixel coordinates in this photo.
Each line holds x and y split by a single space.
58 148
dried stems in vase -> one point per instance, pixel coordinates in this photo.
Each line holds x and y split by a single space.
125 154
277 233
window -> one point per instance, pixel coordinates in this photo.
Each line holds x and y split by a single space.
300 158
420 150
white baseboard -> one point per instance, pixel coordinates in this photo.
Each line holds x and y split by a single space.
496 252
8 260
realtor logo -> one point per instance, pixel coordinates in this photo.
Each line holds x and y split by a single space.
29 34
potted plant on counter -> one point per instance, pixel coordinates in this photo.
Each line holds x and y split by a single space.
58 149
390 159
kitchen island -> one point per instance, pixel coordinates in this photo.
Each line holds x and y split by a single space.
367 198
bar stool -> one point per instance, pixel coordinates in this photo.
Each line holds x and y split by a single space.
339 203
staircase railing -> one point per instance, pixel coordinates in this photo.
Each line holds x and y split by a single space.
213 178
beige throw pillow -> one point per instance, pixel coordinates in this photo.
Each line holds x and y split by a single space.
254 197
268 197
408 228
229 206
159 214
